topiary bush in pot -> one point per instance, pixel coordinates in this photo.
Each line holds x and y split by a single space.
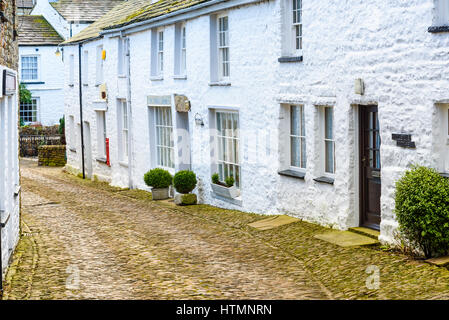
184 182
422 210
160 180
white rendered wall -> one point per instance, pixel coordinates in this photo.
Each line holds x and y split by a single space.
385 43
9 177
49 87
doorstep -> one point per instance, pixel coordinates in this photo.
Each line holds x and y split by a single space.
346 239
366 232
273 222
440 261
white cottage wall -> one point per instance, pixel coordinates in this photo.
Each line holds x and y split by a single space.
404 70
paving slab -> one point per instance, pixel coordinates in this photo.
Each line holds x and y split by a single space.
440 261
366 232
346 239
273 222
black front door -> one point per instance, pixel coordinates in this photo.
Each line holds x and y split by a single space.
370 177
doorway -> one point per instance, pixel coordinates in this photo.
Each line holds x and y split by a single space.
370 167
87 150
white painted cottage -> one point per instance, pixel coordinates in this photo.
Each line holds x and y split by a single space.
43 25
9 159
315 107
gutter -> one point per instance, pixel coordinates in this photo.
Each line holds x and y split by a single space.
162 17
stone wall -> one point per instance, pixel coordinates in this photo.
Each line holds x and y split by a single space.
8 38
52 156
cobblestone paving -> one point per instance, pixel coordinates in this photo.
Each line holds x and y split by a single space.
84 242
122 245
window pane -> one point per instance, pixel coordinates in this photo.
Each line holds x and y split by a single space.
295 157
328 123
329 156
294 120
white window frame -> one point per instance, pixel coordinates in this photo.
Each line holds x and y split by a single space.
101 134
37 103
72 70
222 47
328 141
99 66
121 54
183 50
72 132
230 138
122 132
164 138
441 13
160 52
290 25
38 75
301 136
85 75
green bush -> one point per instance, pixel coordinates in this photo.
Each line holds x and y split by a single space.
230 181
422 210
184 181
158 178
215 178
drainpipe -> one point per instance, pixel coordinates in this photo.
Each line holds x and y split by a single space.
81 109
130 114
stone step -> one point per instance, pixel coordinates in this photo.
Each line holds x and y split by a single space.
347 239
366 232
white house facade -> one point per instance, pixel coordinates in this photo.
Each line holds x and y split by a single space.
316 108
9 167
41 30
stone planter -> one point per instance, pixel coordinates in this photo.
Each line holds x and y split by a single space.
227 192
160 193
185 199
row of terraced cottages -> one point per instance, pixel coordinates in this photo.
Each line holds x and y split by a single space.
315 107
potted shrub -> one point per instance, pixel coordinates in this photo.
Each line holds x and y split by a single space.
226 189
160 181
184 182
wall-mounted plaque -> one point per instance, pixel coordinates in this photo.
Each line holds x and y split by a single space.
9 83
182 103
403 140
159 101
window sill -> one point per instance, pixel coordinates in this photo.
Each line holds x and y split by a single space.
290 59
123 164
72 149
33 82
156 78
236 201
101 159
121 76
85 84
438 29
220 84
324 179
71 85
180 77
293 174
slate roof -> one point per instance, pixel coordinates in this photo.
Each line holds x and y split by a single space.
130 12
35 30
28 4
84 10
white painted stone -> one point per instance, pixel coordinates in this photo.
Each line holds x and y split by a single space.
385 43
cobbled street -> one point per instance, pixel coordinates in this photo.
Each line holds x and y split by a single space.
86 240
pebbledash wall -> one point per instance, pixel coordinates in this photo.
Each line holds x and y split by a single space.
9 168
386 44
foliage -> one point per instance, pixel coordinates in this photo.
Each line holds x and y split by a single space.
189 199
61 128
24 93
158 178
422 210
215 178
184 181
230 181
22 124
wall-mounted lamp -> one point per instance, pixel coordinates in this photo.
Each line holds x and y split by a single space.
199 120
57 52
